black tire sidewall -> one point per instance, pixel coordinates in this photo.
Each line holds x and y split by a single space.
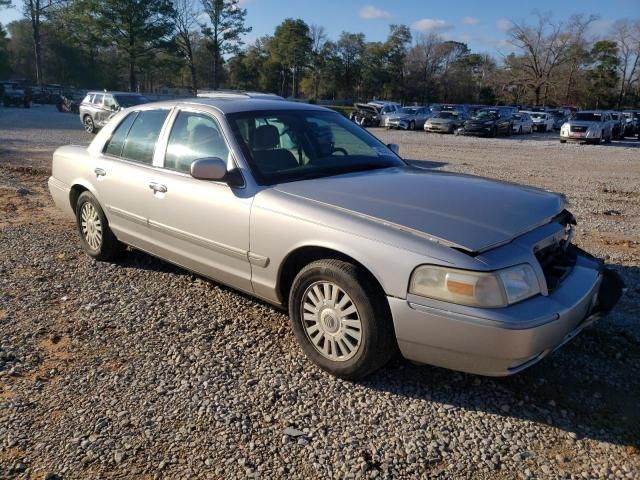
377 326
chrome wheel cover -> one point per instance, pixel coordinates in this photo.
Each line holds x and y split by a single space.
331 321
91 226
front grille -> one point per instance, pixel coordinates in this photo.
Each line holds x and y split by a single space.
578 129
557 260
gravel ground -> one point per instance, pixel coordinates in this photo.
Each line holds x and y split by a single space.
139 369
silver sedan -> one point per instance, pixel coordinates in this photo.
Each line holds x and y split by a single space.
298 206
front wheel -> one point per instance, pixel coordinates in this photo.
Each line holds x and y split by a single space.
412 125
89 126
96 238
341 319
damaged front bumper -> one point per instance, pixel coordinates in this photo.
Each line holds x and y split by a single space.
499 342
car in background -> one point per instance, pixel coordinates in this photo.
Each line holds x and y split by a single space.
365 115
97 108
409 118
589 126
445 121
521 123
371 255
385 110
542 121
15 95
632 122
559 116
618 124
489 122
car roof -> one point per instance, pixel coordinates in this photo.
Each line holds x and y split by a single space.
93 92
236 105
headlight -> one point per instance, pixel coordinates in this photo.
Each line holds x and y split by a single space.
475 289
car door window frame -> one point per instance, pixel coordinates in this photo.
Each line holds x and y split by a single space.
163 143
120 158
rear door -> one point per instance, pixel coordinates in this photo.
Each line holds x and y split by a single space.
202 225
124 172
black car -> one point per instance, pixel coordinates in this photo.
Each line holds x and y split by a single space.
489 122
13 95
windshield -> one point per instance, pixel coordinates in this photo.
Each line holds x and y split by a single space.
448 115
485 115
291 145
409 110
130 100
588 117
538 116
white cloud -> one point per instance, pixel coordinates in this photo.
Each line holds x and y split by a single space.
504 25
370 12
471 21
431 25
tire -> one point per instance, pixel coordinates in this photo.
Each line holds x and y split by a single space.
563 141
608 139
360 294
520 130
89 126
494 132
412 125
96 238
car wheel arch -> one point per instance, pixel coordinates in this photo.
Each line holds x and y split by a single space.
79 186
302 256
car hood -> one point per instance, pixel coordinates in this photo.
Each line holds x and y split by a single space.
480 122
398 116
583 123
441 120
466 212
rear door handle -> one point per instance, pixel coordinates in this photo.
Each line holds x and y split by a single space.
158 187
100 172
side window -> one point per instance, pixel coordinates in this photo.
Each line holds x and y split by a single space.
116 142
109 101
193 136
97 99
141 140
88 99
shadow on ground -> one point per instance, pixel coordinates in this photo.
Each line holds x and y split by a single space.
589 388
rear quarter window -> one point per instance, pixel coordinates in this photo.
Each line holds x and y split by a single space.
116 142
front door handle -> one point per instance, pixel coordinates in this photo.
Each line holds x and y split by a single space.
158 187
100 172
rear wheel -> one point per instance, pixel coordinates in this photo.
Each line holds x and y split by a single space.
412 125
96 237
341 318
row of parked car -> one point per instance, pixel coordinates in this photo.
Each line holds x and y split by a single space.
503 120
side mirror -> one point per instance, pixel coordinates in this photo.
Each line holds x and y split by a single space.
114 108
209 169
394 147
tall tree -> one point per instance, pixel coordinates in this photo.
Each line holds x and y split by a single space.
604 75
225 31
397 45
350 49
4 53
545 46
291 47
626 34
35 11
134 27
185 21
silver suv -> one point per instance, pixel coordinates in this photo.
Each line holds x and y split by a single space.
97 108
298 206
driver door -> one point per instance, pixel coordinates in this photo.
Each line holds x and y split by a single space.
201 225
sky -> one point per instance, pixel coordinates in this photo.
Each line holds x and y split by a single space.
480 24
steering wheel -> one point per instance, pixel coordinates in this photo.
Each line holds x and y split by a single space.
340 150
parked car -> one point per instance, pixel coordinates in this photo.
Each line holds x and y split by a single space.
632 122
559 117
97 108
590 126
15 95
385 110
618 124
409 118
365 115
368 253
542 121
445 121
489 122
521 123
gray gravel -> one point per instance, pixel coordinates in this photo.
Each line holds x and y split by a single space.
138 369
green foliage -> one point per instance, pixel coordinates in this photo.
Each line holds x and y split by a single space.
604 74
225 31
346 111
